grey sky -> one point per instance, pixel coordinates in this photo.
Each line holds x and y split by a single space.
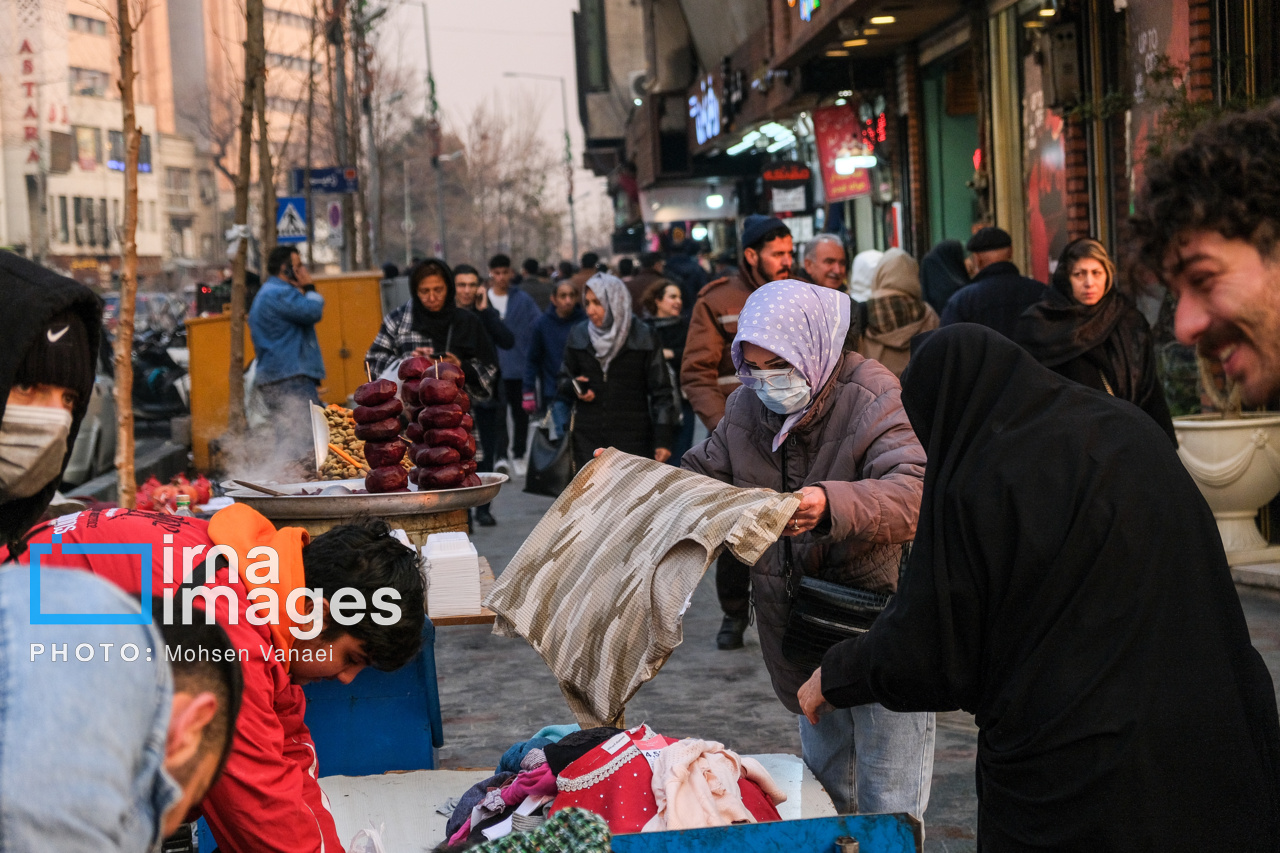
474 42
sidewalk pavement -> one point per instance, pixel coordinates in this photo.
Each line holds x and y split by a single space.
495 691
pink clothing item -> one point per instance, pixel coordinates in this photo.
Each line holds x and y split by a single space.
695 784
539 782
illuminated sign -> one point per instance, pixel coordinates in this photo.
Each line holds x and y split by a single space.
807 8
704 109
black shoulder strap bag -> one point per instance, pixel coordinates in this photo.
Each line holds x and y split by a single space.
822 613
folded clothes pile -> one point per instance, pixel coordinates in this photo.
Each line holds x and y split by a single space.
636 780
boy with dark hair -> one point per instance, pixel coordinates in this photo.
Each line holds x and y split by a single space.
296 610
536 285
519 313
1207 225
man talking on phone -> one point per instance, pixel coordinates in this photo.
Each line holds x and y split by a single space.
283 324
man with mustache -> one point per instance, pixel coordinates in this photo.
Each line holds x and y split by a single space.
708 377
1207 224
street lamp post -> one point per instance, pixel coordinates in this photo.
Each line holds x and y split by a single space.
568 148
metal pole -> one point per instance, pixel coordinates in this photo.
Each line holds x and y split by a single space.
408 222
568 168
433 109
568 147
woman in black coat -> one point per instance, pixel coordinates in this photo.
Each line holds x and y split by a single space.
616 378
1068 588
1089 332
665 304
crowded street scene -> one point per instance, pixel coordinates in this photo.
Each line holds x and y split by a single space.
633 426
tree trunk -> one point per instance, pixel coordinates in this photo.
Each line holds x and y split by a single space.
127 483
311 111
253 69
266 174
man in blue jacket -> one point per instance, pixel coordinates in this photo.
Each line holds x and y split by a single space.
546 353
283 324
520 314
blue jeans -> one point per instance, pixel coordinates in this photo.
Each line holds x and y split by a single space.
82 727
872 760
560 414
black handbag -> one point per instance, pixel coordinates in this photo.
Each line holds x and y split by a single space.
822 613
551 465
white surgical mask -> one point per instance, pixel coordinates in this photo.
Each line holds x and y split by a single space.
33 443
787 399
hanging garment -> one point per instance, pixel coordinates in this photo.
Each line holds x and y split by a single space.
601 584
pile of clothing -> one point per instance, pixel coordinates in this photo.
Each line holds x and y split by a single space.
635 780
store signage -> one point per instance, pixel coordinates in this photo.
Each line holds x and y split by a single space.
839 135
807 8
784 173
704 109
788 184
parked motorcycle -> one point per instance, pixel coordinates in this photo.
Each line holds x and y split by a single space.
160 384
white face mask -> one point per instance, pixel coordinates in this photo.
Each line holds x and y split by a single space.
782 391
33 443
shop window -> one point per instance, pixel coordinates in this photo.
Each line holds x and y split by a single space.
88 82
88 147
85 24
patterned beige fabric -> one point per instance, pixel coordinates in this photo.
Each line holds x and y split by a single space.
599 587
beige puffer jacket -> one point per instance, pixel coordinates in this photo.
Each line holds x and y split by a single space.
857 443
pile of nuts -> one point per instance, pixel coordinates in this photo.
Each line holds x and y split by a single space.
342 434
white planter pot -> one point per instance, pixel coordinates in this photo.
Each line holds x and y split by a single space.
1236 464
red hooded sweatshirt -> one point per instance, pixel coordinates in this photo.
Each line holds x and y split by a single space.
267 798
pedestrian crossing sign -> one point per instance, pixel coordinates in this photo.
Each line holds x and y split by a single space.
291 219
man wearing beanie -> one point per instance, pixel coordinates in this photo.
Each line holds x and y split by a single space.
999 292
708 377
46 376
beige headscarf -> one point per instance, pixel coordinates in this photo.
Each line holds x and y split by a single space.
896 313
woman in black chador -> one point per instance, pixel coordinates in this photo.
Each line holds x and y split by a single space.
1068 587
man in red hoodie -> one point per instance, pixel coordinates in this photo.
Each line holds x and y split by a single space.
296 610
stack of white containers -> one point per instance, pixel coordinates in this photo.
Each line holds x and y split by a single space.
453 575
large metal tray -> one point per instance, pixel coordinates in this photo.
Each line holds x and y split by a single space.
412 502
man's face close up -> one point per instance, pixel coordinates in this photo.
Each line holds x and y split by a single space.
827 265
499 277
1229 308
774 259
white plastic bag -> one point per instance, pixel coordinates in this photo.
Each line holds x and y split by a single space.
368 840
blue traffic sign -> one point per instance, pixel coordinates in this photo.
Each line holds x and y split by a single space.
291 219
332 179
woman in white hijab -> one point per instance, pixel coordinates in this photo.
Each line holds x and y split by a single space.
615 376
864 270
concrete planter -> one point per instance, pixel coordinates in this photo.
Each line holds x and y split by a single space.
1236 464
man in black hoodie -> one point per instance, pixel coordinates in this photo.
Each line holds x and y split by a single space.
46 376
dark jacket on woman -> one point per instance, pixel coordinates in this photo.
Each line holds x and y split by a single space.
1068 588
1107 347
672 333
635 408
857 444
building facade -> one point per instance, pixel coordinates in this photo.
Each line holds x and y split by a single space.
904 124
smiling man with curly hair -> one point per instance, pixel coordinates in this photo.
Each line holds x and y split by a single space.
1207 224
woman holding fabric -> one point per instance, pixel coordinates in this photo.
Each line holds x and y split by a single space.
1079 604
896 313
615 376
815 417
1089 332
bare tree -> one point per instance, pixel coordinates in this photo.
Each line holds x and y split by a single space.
311 112
254 68
127 19
257 45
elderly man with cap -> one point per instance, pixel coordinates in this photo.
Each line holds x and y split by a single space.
999 292
708 377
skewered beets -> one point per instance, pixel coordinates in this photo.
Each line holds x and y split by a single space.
372 414
375 392
390 478
379 431
413 368
380 454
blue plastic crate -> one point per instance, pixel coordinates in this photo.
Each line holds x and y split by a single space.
881 833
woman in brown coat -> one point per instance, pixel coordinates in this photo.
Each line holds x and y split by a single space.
835 420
